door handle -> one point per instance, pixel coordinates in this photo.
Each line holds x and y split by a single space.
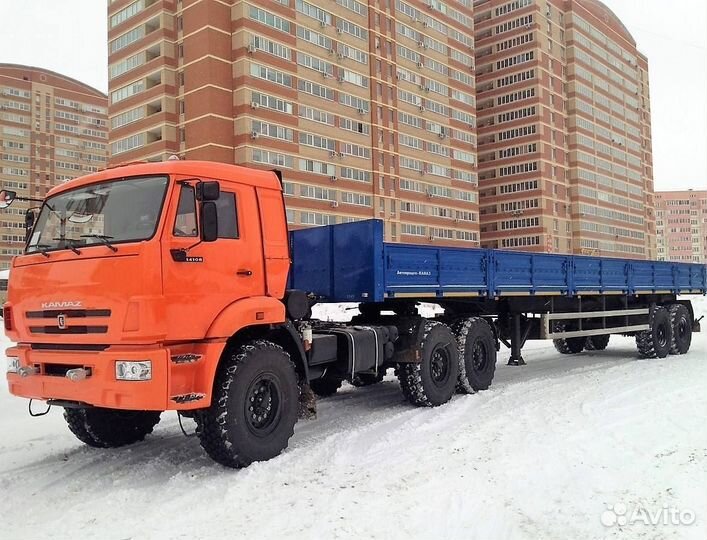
244 272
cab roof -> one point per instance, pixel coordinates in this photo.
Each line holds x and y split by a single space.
207 170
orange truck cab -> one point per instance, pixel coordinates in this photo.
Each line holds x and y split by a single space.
117 280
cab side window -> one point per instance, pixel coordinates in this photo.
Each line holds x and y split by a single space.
185 224
227 215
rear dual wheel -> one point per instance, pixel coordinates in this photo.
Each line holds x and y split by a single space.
572 345
597 343
477 354
657 340
681 323
433 380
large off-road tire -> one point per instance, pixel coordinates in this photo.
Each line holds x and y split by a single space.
597 343
367 379
573 345
110 428
655 342
254 405
477 354
433 380
681 322
325 386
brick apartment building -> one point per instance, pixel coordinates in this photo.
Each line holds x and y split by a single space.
370 109
367 107
565 159
681 222
52 128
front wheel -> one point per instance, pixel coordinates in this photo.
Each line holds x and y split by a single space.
254 406
325 386
110 428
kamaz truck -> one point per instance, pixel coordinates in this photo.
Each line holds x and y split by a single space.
177 286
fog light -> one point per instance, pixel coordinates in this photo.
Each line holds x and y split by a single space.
13 364
133 371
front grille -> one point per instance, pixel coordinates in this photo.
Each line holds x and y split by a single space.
73 313
60 321
69 330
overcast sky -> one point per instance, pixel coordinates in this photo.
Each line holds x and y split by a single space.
69 36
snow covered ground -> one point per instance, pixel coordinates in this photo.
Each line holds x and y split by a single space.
565 448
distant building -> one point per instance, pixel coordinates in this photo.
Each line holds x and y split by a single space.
367 107
681 223
52 128
565 159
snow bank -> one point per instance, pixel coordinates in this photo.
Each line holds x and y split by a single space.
550 451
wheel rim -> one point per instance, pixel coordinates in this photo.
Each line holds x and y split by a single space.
682 328
478 356
440 366
661 335
263 405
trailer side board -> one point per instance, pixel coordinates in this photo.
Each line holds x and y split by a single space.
351 263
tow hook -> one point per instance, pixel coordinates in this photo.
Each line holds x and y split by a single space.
78 374
27 371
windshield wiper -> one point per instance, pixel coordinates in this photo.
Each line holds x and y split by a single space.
103 238
69 243
42 248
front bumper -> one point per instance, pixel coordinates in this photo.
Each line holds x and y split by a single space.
181 376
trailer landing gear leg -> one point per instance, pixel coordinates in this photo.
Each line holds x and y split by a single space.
516 358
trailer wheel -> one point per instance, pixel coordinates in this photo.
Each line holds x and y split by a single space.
597 343
477 354
656 341
325 386
110 428
254 406
367 379
432 381
573 345
681 323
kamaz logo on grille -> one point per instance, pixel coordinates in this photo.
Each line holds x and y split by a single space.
54 305
61 321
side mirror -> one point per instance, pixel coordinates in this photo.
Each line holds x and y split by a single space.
208 191
7 198
209 222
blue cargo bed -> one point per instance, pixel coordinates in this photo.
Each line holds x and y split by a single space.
351 263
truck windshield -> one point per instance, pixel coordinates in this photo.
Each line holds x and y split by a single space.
105 213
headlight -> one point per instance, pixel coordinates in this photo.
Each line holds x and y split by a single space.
133 371
13 364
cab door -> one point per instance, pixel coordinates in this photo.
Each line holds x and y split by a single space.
200 279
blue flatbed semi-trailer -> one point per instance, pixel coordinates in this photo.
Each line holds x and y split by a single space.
351 263
577 301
